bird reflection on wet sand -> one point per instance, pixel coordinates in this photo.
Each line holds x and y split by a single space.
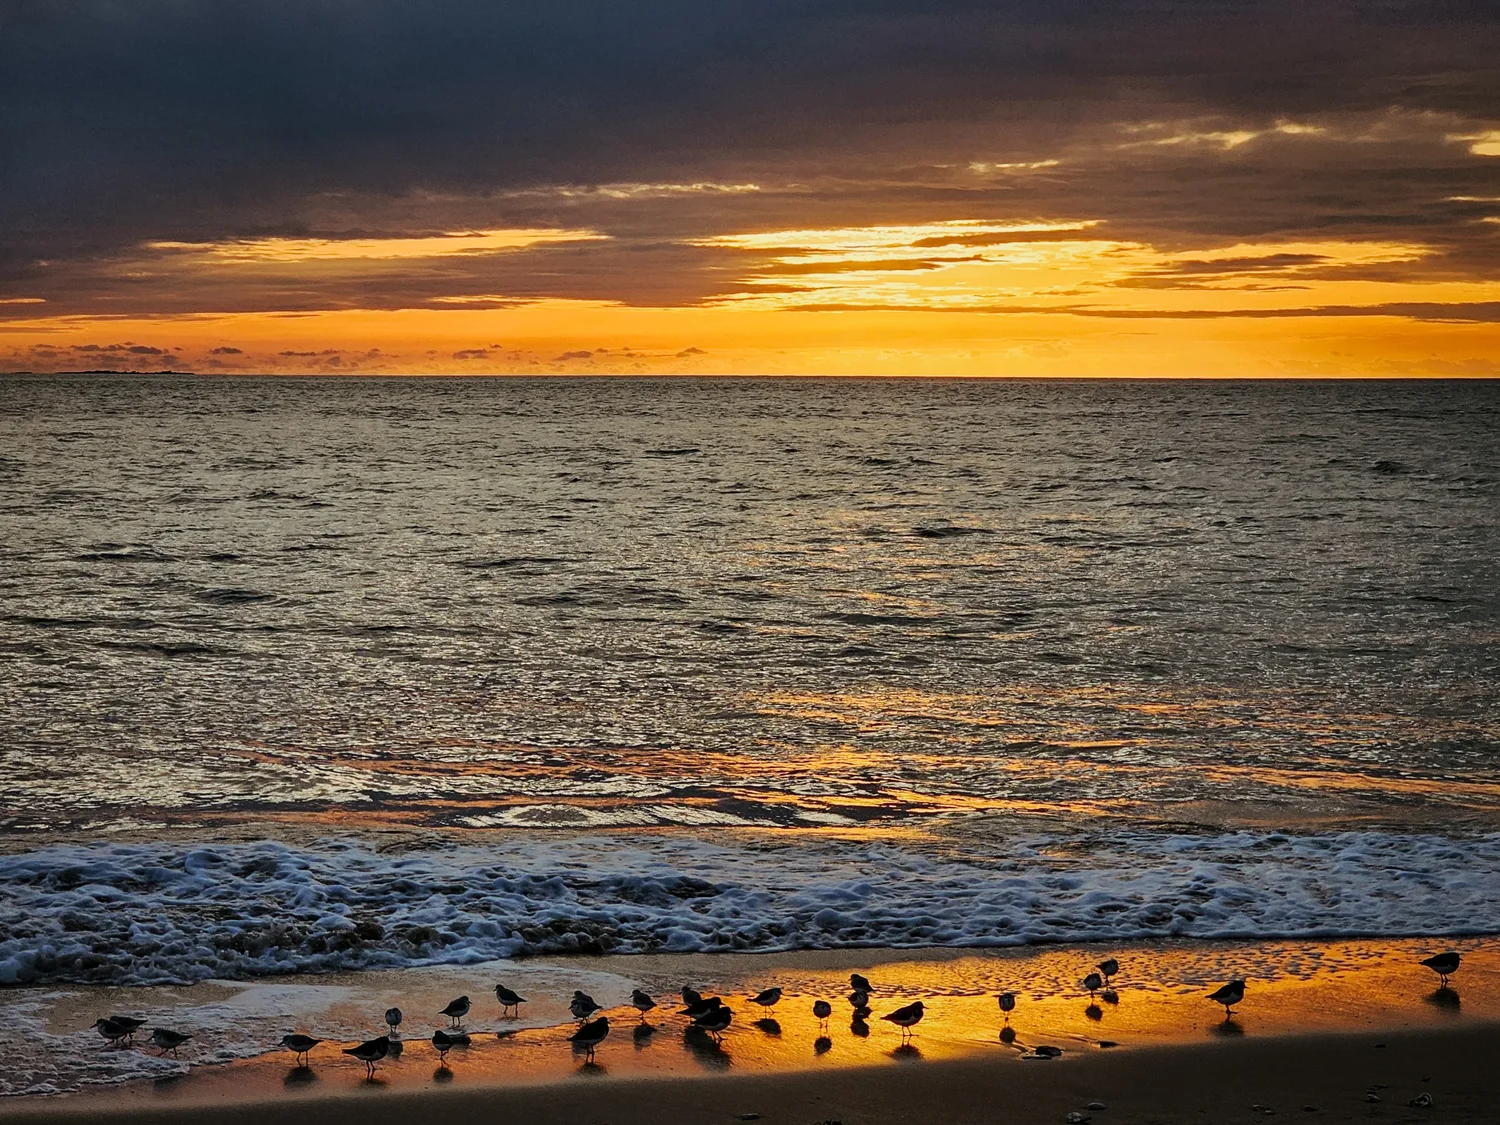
705 1049
822 1045
1445 998
1094 1012
859 1027
643 1035
769 1026
907 1052
300 1076
1229 1029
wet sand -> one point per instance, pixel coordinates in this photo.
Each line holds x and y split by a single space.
1306 1034
1325 1078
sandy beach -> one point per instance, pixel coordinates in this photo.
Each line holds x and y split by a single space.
1335 1078
1324 1024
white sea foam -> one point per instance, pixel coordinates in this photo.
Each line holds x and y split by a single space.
155 913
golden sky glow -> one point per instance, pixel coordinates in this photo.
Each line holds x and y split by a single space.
1205 191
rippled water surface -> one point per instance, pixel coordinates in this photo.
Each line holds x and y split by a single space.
652 601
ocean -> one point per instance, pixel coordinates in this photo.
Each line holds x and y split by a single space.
312 674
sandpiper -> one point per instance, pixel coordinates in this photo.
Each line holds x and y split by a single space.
445 1041
641 1002
393 1019
583 1006
714 1022
822 1009
906 1018
113 1033
164 1040
690 996
129 1023
371 1052
1007 1004
859 998
1109 967
299 1045
508 999
766 998
1093 983
456 1010
702 1007
1230 995
1444 965
859 983
590 1035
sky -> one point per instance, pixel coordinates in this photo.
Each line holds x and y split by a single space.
1048 188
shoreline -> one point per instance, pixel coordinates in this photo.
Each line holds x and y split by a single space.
1331 1076
1299 993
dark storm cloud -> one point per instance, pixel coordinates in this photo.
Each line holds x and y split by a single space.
156 120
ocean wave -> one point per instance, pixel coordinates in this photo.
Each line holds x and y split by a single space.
159 913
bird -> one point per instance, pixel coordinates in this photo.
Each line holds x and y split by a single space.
1109 967
690 996
859 983
393 1018
129 1023
164 1040
766 998
822 1009
1093 984
715 1021
583 1006
1007 1004
111 1029
641 1002
444 1041
299 1045
1230 995
456 1010
371 1052
1444 965
508 999
859 998
702 1007
906 1018
590 1035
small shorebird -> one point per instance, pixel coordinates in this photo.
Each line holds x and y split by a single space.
766 998
1230 995
444 1041
1444 965
705 1005
456 1010
859 998
641 1002
822 1009
590 1035
583 1006
299 1045
371 1052
110 1028
906 1018
509 999
715 1021
129 1023
393 1018
690 996
1109 967
860 984
1093 983
164 1040
1007 1004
